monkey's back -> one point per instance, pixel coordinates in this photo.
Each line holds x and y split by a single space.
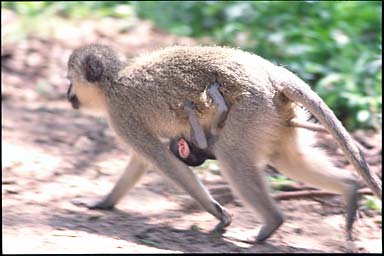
186 72
182 73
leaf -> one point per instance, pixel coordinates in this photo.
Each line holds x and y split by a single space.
372 203
149 242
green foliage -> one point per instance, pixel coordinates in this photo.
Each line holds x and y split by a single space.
280 181
149 242
372 203
211 165
84 9
48 19
196 228
334 46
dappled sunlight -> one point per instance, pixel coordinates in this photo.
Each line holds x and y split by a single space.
28 160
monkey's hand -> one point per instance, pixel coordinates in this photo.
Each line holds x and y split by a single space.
225 220
93 203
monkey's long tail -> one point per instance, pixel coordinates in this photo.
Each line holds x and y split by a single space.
298 91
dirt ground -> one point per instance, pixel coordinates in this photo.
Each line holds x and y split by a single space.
52 154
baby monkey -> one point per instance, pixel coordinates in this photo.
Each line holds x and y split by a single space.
195 152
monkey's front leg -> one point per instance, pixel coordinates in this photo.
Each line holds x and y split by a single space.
184 177
160 156
133 172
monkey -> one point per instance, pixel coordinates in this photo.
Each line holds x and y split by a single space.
142 103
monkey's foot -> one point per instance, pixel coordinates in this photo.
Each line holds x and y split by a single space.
92 203
268 229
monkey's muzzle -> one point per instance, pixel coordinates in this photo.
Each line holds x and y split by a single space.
72 98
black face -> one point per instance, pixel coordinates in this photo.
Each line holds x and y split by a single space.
72 98
197 156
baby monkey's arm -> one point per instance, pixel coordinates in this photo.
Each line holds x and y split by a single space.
198 136
197 133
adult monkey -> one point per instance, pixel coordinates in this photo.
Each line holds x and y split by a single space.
142 101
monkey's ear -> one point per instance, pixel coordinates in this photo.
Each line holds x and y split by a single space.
93 68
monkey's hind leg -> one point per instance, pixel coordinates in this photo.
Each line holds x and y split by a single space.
132 174
246 178
305 163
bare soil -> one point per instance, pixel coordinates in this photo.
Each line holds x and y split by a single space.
52 154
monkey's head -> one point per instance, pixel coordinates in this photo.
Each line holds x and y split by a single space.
89 69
